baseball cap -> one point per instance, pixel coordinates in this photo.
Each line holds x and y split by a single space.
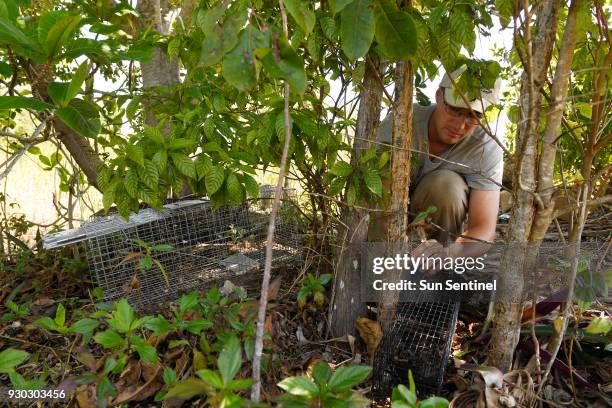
487 97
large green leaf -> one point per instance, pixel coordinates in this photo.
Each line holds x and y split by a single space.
395 32
184 164
288 65
234 189
109 339
357 28
214 180
149 174
81 116
341 169
339 5
372 181
463 26
123 316
187 389
347 377
77 81
135 153
60 33
9 34
10 358
302 14
240 66
58 92
17 102
222 38
230 360
300 386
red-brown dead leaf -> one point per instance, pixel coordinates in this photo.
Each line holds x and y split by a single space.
371 332
85 357
150 371
274 288
86 396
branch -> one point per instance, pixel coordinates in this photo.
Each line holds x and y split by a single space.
263 300
594 203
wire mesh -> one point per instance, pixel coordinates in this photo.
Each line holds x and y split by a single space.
205 246
419 340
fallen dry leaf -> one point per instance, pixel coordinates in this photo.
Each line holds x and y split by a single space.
131 373
87 359
150 371
274 288
86 396
371 332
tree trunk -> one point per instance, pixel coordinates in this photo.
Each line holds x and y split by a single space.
396 225
346 305
558 97
78 146
509 301
160 71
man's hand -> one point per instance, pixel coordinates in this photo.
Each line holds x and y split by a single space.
431 249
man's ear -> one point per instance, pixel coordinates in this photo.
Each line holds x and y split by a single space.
439 95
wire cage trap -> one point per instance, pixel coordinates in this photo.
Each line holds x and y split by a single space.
419 340
191 246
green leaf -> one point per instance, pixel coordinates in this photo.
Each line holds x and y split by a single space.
184 164
131 182
158 325
300 386
339 5
214 180
321 373
11 358
251 185
234 189
211 378
357 28
341 169
147 353
160 158
150 175
187 389
336 186
462 25
105 389
372 181
17 102
77 81
85 327
81 116
239 66
61 31
141 52
146 263
240 384
203 165
162 248
60 315
230 360
395 32
197 325
347 377
599 325
135 153
109 339
155 134
406 394
301 14
58 92
123 316
505 10
434 402
169 376
9 34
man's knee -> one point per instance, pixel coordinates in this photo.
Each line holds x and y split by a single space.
445 189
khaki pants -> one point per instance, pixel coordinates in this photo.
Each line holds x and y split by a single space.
448 192
444 189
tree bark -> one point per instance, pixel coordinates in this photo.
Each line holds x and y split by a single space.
509 301
396 225
558 97
161 70
346 305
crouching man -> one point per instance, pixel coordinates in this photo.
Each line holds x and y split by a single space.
458 170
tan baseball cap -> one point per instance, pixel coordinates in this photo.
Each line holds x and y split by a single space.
487 98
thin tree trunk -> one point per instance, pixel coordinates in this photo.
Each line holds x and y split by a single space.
346 305
558 97
397 222
509 295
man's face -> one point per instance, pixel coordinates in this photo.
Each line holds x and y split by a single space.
452 124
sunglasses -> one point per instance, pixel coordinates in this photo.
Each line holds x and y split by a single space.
471 117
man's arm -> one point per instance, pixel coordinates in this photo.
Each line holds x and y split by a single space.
483 206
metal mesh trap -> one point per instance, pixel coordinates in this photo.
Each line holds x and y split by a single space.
419 340
191 244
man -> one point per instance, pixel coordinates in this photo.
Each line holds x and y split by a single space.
458 168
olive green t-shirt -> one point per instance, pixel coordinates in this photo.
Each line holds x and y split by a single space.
478 158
